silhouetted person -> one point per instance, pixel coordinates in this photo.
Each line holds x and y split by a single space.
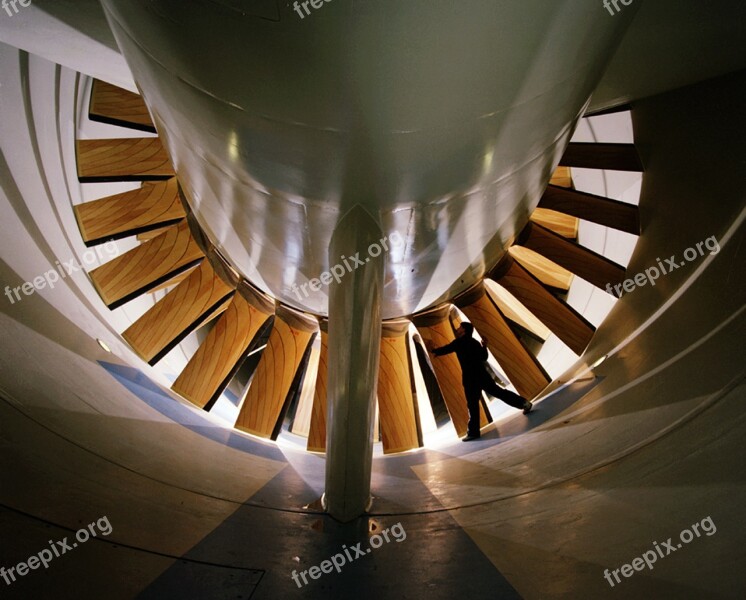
475 378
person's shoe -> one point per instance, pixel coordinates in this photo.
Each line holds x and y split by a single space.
527 407
470 438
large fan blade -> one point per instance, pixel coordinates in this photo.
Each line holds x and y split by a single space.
562 176
434 326
317 433
616 157
122 159
396 405
548 272
145 267
148 208
265 403
221 353
521 367
597 209
178 313
585 263
565 225
117 106
562 319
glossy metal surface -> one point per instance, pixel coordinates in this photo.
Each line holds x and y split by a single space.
354 354
444 118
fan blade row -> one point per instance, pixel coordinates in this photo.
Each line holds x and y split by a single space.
544 258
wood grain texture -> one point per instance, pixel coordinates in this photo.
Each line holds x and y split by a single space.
565 225
122 159
566 323
591 266
149 235
173 282
264 403
317 431
435 327
219 356
147 266
521 367
178 313
117 106
150 207
562 176
396 403
546 271
515 311
615 157
597 209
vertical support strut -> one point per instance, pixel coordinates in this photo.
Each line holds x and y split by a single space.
354 345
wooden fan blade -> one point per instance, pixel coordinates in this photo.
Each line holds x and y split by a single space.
585 263
562 176
117 106
566 323
178 313
145 267
615 157
565 225
435 326
148 208
220 355
122 159
265 402
597 209
522 368
548 272
317 432
396 403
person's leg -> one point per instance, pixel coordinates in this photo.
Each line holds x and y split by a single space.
473 396
506 396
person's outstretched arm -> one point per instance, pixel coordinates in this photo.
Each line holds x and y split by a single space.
447 349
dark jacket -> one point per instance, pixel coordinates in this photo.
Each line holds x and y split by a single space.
471 356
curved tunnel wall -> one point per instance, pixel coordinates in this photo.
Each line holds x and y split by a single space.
648 447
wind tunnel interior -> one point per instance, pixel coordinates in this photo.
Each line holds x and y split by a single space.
614 458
